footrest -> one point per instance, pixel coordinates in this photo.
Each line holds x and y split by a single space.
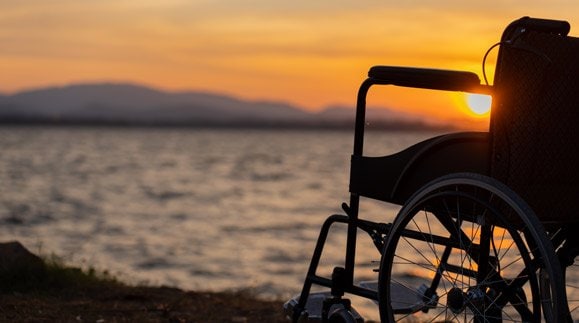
406 299
313 308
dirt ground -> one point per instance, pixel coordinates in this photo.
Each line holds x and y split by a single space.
118 303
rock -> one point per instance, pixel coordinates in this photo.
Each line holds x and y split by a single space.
18 265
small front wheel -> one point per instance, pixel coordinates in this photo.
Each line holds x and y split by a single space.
340 314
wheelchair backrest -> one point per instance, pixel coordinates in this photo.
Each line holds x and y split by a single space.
534 131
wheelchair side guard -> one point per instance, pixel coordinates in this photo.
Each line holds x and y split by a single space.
395 177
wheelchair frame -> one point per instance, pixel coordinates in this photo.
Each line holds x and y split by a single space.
396 178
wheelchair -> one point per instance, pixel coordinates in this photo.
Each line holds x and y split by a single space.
487 230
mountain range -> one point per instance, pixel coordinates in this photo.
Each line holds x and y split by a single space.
128 104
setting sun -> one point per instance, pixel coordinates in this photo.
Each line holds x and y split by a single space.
479 104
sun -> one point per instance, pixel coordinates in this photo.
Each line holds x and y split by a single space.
479 104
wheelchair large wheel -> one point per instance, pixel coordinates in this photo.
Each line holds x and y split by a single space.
466 248
566 242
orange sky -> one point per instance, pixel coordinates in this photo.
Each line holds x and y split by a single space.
309 53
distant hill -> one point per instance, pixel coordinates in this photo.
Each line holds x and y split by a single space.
128 104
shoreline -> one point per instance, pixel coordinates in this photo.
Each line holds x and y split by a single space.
33 289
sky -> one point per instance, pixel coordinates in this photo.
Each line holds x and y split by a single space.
309 53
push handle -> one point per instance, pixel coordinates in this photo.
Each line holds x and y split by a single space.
559 27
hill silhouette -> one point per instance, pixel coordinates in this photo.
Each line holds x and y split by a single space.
129 104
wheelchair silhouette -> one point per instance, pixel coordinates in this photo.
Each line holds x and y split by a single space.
487 230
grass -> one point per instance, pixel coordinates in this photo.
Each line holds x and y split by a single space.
51 274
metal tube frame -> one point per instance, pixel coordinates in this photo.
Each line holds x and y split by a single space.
351 219
346 280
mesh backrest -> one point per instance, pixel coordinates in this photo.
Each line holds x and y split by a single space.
534 130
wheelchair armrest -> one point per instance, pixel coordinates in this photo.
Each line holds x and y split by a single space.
428 78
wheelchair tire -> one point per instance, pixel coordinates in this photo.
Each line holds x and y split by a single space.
466 248
568 255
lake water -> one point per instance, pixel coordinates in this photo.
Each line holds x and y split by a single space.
198 209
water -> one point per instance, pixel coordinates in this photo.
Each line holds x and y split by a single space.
198 209
209 209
